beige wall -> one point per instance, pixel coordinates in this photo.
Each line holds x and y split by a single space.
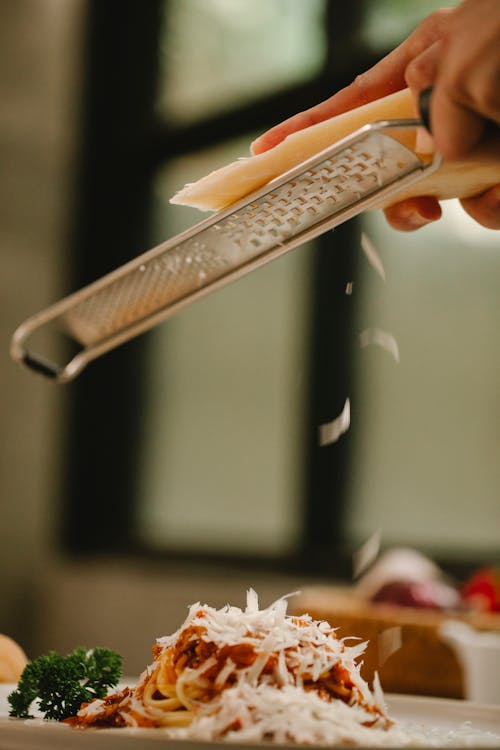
39 56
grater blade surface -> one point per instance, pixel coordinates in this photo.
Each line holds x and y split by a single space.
319 194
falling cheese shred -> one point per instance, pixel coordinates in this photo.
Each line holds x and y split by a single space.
381 338
330 432
372 254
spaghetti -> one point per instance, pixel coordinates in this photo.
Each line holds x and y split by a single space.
231 671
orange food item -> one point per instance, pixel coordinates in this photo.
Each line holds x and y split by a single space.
12 659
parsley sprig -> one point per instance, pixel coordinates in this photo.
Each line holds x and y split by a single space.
60 684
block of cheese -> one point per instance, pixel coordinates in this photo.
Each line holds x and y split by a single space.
229 184
12 660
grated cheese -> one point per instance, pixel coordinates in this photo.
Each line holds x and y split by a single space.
372 255
381 338
305 649
366 555
330 432
390 640
288 714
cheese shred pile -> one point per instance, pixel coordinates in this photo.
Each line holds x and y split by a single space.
261 675
250 674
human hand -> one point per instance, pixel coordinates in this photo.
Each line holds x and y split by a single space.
457 51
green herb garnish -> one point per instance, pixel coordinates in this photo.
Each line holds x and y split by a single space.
60 684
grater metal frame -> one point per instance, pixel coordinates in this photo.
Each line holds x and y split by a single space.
102 290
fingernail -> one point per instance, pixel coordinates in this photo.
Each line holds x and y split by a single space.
266 142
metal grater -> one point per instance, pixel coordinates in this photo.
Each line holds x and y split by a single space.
358 173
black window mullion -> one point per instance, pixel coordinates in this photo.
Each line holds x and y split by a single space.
111 226
328 467
332 338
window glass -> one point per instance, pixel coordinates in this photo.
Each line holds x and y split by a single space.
222 451
217 54
427 434
388 22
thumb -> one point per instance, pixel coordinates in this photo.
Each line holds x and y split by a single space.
456 129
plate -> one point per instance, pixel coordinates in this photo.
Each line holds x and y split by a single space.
438 715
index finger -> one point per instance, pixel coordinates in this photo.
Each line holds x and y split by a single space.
384 78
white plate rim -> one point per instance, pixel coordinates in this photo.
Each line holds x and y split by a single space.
37 734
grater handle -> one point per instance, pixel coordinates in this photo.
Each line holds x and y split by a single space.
424 107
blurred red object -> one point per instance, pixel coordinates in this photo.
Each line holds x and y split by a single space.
481 592
428 594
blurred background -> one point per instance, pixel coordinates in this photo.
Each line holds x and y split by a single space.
187 464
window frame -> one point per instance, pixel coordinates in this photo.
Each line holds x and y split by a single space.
123 144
